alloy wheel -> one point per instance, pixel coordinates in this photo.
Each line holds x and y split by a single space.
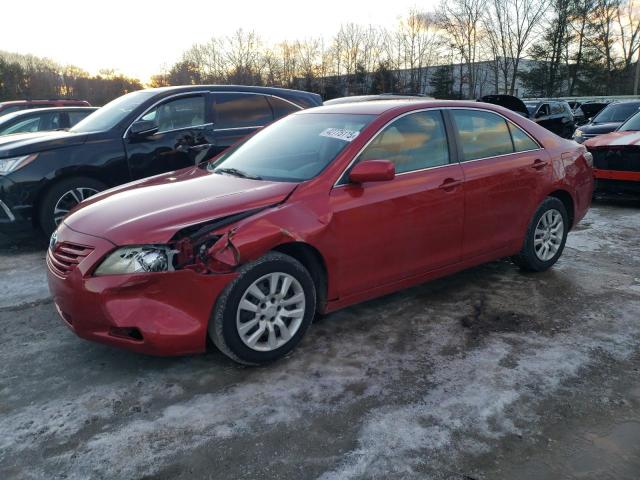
548 235
270 311
70 199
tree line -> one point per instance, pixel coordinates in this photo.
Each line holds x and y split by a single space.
462 48
31 77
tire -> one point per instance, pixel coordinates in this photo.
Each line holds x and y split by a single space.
66 191
533 256
229 318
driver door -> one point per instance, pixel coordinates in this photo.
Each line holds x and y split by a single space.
183 138
390 230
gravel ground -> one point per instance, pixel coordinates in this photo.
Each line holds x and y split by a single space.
488 374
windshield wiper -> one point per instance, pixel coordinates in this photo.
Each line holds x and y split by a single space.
237 173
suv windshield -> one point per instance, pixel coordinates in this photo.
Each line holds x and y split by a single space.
633 124
617 112
294 149
112 113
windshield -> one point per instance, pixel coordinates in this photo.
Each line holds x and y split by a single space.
112 113
294 149
617 112
633 124
531 107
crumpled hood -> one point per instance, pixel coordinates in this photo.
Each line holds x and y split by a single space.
599 128
26 143
614 139
154 209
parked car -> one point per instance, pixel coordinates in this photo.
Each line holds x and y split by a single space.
587 110
17 105
43 119
616 158
325 208
555 116
369 98
144 133
608 120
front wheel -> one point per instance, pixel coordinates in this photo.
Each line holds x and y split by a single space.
263 314
545 238
64 196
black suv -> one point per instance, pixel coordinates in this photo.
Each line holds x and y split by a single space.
144 133
554 115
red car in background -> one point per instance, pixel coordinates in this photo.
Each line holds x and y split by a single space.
16 105
616 158
323 209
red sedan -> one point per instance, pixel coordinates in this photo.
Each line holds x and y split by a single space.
325 208
616 158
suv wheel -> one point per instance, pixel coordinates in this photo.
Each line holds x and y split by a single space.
263 314
546 237
62 197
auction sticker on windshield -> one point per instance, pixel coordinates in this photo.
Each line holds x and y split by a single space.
340 134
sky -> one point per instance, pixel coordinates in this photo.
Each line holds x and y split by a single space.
139 37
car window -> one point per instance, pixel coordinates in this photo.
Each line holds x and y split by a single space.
482 134
178 113
412 142
556 108
633 124
237 110
521 141
13 108
543 111
617 112
295 148
113 112
282 108
75 117
27 125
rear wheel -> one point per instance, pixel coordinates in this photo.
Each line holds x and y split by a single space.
546 237
263 314
62 197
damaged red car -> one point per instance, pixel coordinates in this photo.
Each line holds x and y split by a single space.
323 209
616 158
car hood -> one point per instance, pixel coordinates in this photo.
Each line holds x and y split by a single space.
27 143
507 101
599 128
614 139
154 209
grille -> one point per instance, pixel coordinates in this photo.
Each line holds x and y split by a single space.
65 256
623 159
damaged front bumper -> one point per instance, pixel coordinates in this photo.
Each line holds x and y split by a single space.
165 313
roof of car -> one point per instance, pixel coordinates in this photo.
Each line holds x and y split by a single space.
233 88
377 107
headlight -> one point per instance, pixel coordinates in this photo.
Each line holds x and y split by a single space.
8 165
577 133
137 259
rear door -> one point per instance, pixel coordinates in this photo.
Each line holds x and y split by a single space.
504 170
387 231
183 138
237 115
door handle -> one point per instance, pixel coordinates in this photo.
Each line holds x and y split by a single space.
539 164
449 184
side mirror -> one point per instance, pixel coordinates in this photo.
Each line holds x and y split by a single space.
372 171
539 114
143 128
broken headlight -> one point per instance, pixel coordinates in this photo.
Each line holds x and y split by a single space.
137 259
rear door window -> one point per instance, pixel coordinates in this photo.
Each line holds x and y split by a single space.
241 110
481 134
521 141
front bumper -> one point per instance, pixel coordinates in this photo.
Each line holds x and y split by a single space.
169 312
15 211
